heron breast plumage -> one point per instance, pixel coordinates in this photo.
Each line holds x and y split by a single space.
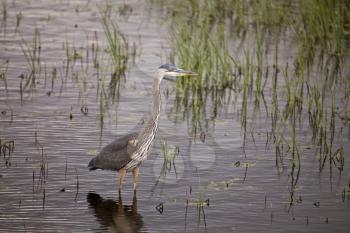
143 146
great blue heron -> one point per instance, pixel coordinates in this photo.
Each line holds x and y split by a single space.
126 153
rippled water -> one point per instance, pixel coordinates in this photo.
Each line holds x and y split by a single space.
215 185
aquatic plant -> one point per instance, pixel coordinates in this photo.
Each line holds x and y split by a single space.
118 47
32 52
169 164
3 72
6 147
228 42
4 9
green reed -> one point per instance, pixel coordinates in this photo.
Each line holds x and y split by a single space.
169 156
7 147
118 47
4 8
3 72
102 102
32 53
321 28
19 18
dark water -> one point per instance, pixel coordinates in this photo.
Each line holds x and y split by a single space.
215 185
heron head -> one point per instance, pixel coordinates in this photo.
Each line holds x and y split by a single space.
171 70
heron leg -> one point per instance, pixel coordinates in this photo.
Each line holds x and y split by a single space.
134 203
135 174
122 173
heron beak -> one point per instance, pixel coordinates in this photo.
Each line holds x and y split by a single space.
180 72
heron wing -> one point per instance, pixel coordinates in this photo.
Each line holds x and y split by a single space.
115 155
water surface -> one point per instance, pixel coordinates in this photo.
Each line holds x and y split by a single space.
216 185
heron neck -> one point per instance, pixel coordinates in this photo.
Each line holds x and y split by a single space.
156 99
152 123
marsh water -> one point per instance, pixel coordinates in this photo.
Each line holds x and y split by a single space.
220 179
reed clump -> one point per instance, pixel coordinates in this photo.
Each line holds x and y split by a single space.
235 46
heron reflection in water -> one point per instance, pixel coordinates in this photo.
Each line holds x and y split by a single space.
127 153
114 216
